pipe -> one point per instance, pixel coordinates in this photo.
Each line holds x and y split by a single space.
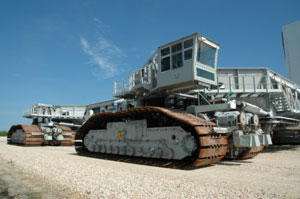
69 124
251 108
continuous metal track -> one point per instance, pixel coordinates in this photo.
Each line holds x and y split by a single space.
34 137
211 147
250 153
69 136
281 137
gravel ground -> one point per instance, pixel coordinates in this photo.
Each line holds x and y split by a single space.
14 183
275 173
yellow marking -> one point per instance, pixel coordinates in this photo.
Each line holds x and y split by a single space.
120 134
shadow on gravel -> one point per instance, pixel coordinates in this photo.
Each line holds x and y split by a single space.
278 148
16 184
151 162
4 194
227 162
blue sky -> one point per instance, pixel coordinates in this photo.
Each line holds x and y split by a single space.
69 52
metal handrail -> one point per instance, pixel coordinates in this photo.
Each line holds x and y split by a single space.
120 86
231 85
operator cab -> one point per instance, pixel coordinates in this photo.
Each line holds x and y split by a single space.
185 64
189 62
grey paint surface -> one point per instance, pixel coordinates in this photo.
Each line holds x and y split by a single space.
291 44
133 138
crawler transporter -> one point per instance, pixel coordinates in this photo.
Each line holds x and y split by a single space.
278 96
52 125
162 117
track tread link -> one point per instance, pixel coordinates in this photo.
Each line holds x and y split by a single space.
38 140
251 153
212 147
69 136
30 140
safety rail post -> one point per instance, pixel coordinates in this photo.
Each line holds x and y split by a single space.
236 82
267 83
254 84
218 87
243 79
296 100
149 75
114 88
230 83
123 86
130 83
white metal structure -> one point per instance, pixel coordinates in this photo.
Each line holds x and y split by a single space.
55 111
279 97
67 115
166 80
291 45
186 63
260 86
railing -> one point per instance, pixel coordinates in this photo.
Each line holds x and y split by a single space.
121 87
247 83
55 111
27 113
261 84
138 78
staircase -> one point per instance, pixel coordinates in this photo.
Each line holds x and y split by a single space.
281 103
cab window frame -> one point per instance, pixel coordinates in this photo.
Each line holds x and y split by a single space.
206 54
165 59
